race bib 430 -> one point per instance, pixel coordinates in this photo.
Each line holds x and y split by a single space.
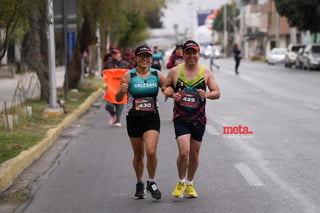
144 104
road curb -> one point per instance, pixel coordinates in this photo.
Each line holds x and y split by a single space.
11 169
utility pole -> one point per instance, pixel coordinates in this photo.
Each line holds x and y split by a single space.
51 58
65 31
98 49
176 35
53 110
225 33
293 35
277 30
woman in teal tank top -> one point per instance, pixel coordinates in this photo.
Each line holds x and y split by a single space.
141 84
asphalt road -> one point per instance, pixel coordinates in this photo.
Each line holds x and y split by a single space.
274 170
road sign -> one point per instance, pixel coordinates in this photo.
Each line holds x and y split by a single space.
71 43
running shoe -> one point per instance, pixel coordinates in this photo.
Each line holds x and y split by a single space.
179 190
112 120
118 124
191 191
152 187
140 191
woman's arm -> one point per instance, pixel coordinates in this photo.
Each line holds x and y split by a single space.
124 86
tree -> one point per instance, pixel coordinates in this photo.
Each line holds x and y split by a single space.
232 13
123 20
12 13
232 23
35 47
140 16
304 15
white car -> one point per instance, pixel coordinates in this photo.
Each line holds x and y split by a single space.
276 56
291 54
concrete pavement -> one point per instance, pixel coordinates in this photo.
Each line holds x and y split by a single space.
25 85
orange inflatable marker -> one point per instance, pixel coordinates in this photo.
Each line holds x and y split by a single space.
112 78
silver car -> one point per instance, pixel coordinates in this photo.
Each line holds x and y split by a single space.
311 57
276 56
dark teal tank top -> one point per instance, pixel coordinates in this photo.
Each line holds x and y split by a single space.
142 87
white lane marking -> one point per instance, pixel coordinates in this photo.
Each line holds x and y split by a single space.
248 174
311 106
263 164
211 130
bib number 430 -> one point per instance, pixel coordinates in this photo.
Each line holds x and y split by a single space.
144 104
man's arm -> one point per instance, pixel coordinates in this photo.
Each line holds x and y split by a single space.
214 91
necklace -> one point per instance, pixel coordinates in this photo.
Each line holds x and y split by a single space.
143 73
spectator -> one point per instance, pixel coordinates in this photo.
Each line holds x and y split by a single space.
114 109
157 58
176 57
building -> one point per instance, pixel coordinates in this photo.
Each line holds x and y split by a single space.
261 29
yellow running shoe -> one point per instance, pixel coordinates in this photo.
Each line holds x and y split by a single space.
191 191
179 190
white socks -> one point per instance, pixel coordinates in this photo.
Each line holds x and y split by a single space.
189 182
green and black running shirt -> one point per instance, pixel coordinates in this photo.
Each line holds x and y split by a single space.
191 105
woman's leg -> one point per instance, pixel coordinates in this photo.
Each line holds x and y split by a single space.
151 138
138 155
110 108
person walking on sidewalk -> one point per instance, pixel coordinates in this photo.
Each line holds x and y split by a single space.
212 58
141 84
190 81
115 110
237 57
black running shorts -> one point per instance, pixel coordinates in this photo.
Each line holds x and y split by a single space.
137 125
196 130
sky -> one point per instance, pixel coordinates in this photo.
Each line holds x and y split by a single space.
182 12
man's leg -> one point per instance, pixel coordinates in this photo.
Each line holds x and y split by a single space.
183 143
193 158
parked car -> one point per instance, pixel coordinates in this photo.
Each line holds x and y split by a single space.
276 56
209 51
205 50
291 54
311 57
299 61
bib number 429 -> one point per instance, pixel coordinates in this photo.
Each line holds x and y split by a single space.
189 99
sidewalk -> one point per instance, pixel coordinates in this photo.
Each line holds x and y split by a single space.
29 86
